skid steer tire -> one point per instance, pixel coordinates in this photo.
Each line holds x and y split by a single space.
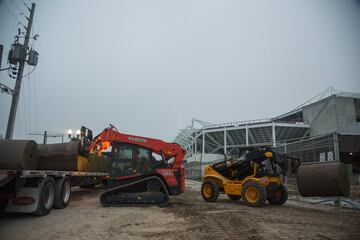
279 196
210 191
46 197
234 197
254 194
62 192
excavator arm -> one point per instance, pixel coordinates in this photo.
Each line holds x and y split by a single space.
111 135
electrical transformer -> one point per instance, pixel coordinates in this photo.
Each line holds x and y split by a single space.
17 53
33 57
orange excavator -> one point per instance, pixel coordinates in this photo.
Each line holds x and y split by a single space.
142 171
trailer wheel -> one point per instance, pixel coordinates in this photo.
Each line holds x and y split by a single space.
62 192
46 197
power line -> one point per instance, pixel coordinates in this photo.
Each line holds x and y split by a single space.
19 122
29 72
18 8
22 96
11 12
24 3
35 102
29 101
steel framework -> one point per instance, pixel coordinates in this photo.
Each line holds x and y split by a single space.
229 138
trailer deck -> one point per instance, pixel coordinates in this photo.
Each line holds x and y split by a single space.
44 173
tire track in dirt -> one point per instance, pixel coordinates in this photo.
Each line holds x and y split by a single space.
228 219
211 221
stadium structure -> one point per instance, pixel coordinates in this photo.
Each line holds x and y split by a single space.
325 128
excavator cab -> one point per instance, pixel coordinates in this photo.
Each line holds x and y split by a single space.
139 177
129 161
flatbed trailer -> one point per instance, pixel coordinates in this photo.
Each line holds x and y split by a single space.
39 191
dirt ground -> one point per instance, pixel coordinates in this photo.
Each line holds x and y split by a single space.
187 217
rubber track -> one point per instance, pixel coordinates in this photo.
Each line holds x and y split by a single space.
135 199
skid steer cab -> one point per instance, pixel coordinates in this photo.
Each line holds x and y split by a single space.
255 179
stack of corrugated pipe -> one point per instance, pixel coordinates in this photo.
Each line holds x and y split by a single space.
28 155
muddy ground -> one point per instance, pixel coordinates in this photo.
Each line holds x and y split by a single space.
188 217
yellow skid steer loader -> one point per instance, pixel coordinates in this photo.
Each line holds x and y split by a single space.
255 178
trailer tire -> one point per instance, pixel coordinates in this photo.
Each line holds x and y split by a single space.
62 192
46 197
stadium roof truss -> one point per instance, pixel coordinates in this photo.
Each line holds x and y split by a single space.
228 138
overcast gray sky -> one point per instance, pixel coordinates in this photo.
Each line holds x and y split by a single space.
148 67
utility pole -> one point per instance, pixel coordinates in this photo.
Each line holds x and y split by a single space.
45 137
16 95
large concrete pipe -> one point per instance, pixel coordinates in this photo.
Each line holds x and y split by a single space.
59 156
323 179
18 154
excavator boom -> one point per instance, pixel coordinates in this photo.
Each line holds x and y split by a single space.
110 135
